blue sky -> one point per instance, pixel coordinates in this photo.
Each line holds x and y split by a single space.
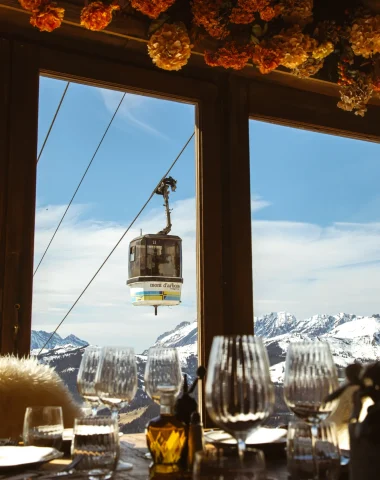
315 208
310 177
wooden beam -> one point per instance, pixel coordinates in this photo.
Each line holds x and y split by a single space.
21 181
237 258
209 231
312 111
5 83
158 83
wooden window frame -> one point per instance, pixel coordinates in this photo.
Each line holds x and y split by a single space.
225 103
221 266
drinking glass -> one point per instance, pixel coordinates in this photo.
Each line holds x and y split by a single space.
116 378
310 375
310 458
86 377
116 381
162 373
96 440
43 427
217 464
239 391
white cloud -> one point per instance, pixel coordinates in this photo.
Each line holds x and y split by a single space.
133 109
308 269
257 203
298 267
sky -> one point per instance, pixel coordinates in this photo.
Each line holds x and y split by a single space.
315 215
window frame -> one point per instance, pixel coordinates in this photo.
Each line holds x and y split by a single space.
225 102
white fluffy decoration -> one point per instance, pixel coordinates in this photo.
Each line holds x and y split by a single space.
24 383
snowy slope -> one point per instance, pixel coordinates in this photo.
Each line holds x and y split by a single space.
40 337
184 337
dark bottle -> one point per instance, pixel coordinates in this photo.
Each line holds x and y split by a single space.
166 438
195 438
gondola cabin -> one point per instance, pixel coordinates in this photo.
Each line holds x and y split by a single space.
155 270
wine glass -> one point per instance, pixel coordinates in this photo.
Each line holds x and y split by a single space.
239 391
86 377
116 382
116 378
310 376
162 373
163 376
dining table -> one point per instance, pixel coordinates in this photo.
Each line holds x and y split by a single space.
133 449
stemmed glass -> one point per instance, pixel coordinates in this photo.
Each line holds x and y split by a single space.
239 391
310 376
162 373
86 377
116 378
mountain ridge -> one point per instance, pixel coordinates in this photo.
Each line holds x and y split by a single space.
352 338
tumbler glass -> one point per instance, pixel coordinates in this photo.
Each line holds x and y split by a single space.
217 464
96 440
309 461
43 427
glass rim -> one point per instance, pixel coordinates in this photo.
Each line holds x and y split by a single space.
240 335
309 342
162 348
118 347
324 423
95 420
42 407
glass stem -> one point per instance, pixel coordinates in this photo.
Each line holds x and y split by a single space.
115 413
241 449
314 437
94 410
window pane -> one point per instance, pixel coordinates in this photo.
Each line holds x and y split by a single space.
316 244
143 140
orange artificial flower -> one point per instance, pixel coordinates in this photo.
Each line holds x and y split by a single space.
266 59
47 18
97 15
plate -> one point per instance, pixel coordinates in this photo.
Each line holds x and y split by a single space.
262 436
24 456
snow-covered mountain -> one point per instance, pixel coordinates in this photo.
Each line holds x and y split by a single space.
352 338
280 323
40 337
184 337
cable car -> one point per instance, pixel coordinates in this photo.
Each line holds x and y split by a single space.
155 263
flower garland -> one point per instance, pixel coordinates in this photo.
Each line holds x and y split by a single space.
365 36
266 59
152 8
269 34
297 12
231 55
169 47
97 15
356 90
46 16
208 14
244 11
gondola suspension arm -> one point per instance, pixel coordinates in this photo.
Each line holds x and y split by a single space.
164 190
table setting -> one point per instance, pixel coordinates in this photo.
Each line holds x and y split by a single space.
239 398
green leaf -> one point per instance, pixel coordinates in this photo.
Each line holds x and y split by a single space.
257 31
